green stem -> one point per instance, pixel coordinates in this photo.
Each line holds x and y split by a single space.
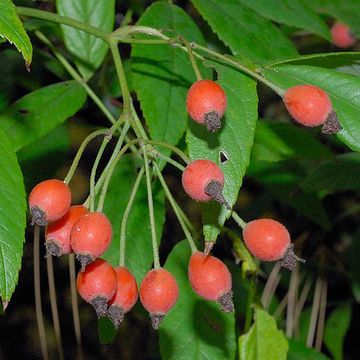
168 160
192 58
171 147
106 140
238 219
176 210
151 210
249 306
63 20
126 216
110 172
80 151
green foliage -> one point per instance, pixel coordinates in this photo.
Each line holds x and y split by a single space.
299 351
35 114
194 328
336 328
138 245
234 140
243 28
166 71
264 340
87 50
13 30
12 218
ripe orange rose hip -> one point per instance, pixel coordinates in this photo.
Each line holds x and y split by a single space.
49 201
159 292
269 240
311 106
125 297
203 181
210 278
97 285
90 237
341 36
58 233
206 103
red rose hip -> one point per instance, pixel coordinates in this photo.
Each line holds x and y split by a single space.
57 237
90 237
125 297
269 240
206 103
159 292
311 106
210 278
97 285
203 181
342 36
49 201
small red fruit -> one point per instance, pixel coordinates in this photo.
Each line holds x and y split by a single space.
206 103
57 238
90 237
342 36
210 278
203 181
125 297
159 292
311 106
97 285
49 201
269 240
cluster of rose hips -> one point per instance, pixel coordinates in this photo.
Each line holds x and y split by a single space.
113 291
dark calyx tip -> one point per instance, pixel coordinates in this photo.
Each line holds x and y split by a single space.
208 247
116 314
214 190
38 216
84 260
289 259
100 305
331 125
226 302
156 320
212 121
52 248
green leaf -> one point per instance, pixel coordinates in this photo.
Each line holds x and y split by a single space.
299 351
281 141
244 31
12 218
342 89
336 327
194 328
234 140
13 30
139 255
290 12
353 255
340 174
162 75
87 50
264 340
347 11
35 114
106 331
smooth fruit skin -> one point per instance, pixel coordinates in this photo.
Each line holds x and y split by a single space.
159 291
267 239
52 198
127 293
341 36
309 105
209 277
197 175
205 96
98 280
59 231
91 234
